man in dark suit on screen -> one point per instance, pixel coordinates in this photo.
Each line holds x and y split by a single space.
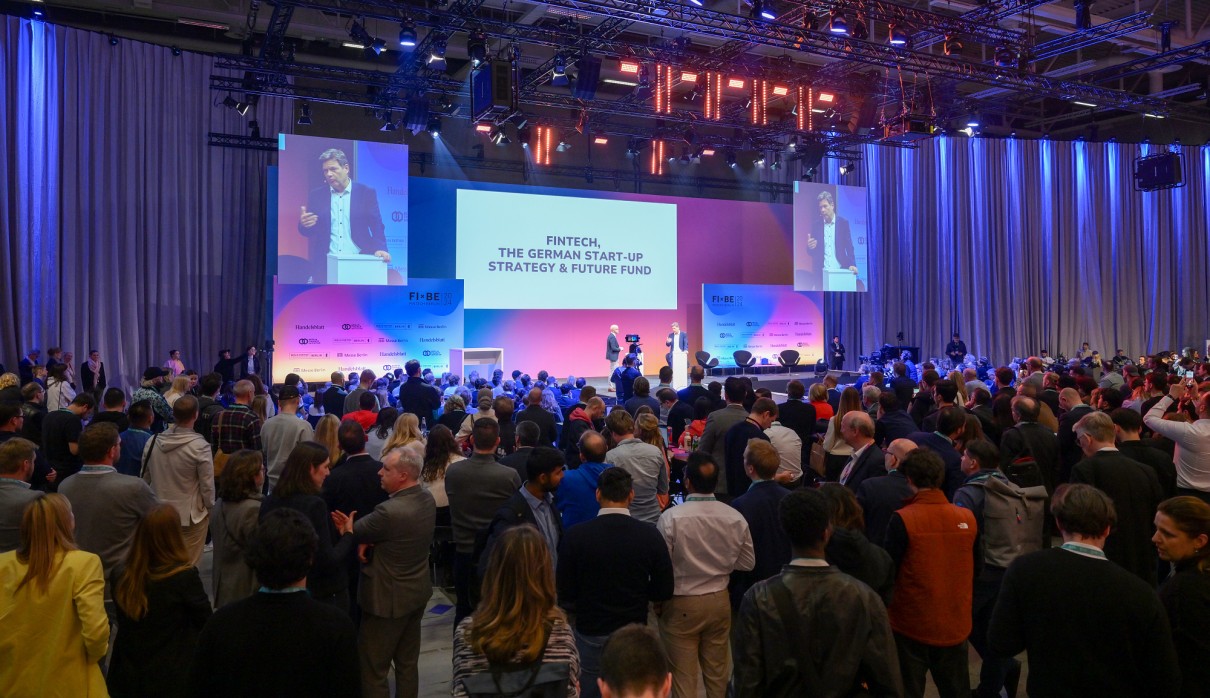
830 242
341 217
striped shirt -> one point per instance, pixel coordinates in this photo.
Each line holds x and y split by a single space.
560 648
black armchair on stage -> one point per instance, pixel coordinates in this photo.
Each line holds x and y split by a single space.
744 359
789 359
705 361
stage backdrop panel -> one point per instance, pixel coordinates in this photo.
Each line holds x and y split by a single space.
835 259
378 204
764 320
533 251
320 329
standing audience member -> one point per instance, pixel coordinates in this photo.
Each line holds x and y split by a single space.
758 505
518 622
33 409
643 461
893 423
1127 426
1074 409
879 497
395 586
440 453
813 614
280 641
866 460
610 568
951 422
707 541
135 438
417 397
1192 455
837 450
577 499
932 543
579 422
476 487
1029 439
180 386
161 610
149 390
282 432
178 466
1182 537
16 467
378 434
299 489
534 412
59 390
1132 486
534 503
237 427
333 399
1087 626
353 399
113 409
61 436
354 485
92 374
633 665
713 442
528 435
54 632
106 504
848 548
736 440
233 524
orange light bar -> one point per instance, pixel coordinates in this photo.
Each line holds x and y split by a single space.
707 151
735 83
780 90
483 128
600 140
629 67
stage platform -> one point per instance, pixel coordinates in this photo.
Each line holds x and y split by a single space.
774 382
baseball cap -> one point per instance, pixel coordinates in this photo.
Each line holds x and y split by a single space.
288 392
154 372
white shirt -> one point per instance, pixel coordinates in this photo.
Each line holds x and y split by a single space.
829 246
789 449
1192 455
708 540
342 228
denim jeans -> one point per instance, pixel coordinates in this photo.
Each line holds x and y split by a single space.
590 648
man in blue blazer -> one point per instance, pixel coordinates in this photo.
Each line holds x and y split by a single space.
857 430
676 340
758 505
949 428
341 217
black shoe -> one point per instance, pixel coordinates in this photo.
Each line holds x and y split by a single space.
1012 679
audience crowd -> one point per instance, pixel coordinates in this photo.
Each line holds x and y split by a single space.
849 540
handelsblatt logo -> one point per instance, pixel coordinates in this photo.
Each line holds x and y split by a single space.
308 327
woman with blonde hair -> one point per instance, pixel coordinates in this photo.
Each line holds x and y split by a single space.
161 610
518 620
10 388
956 377
326 435
818 397
233 522
52 592
180 386
260 407
406 434
836 449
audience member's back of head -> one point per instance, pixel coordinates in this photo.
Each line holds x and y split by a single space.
114 398
923 468
734 390
615 484
619 422
485 434
804 517
1083 510
633 665
282 548
351 436
528 433
543 460
701 472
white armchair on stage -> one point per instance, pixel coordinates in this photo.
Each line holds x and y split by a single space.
680 369
839 280
485 360
359 269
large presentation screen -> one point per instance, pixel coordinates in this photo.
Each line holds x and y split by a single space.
342 212
534 251
830 238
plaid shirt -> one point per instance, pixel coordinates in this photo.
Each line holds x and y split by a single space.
235 428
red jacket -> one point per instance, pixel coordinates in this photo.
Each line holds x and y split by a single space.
366 418
934 586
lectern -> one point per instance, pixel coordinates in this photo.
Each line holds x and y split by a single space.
359 269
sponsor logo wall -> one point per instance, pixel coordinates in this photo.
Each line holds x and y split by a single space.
764 320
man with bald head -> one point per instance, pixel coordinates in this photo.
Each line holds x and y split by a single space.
1030 439
237 427
884 495
1074 409
857 430
534 412
576 498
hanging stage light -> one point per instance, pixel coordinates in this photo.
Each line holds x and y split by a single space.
837 24
407 35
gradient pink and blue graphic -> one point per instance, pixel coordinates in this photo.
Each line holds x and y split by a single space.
763 320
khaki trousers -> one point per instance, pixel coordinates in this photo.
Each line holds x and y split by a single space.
195 538
696 632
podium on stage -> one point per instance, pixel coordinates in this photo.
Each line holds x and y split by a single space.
485 360
680 369
359 269
839 280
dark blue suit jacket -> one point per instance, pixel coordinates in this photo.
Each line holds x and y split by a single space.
871 464
365 226
893 425
949 455
758 505
879 498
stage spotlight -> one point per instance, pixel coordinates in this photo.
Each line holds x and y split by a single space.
696 3
476 48
1004 57
861 30
1083 10
972 121
563 146
731 159
407 35
113 40
760 160
378 46
176 50
837 23
848 167
240 107
434 128
952 45
388 125
630 67
498 136
436 58
897 36
559 73
600 140
762 9
776 164
304 117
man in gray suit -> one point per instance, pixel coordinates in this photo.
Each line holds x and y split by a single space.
612 350
16 466
717 424
395 587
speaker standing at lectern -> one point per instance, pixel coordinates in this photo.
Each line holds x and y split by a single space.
341 218
676 341
830 243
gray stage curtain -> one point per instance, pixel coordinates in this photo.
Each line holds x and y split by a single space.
138 237
1024 245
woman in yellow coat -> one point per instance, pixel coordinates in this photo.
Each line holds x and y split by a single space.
53 628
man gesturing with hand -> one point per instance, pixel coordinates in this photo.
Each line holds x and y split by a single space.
340 217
